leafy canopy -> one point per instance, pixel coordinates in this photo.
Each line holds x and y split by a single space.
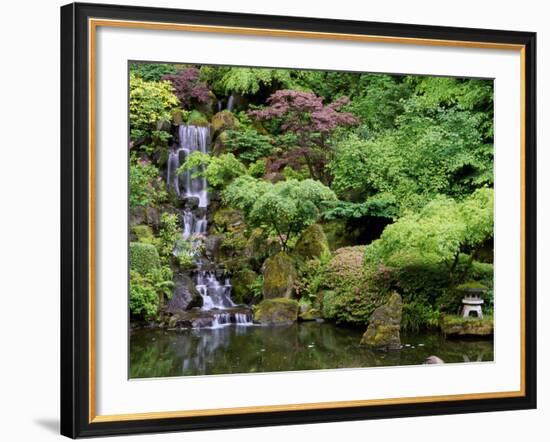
285 208
219 171
436 234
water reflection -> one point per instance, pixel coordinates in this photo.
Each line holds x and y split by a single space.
305 346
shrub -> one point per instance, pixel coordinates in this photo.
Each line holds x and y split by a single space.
248 144
168 235
147 292
352 293
143 258
146 188
418 315
150 102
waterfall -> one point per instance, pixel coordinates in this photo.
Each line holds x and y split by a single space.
213 293
191 139
230 102
193 191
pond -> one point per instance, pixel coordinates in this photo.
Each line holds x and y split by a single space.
300 346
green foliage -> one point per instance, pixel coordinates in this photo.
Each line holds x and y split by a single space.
144 234
436 234
169 233
152 71
256 288
148 290
150 103
352 293
285 208
144 258
257 169
196 118
248 144
418 315
311 277
382 205
186 251
146 187
219 171
245 81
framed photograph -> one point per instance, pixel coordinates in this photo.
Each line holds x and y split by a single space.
274 220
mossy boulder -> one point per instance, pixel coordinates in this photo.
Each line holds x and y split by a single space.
242 282
143 233
219 144
223 120
312 314
226 219
196 118
276 311
179 116
384 325
143 257
453 325
312 243
279 276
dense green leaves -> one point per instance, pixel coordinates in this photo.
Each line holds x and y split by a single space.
436 234
285 208
150 102
218 171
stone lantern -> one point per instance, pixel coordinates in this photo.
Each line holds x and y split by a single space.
472 301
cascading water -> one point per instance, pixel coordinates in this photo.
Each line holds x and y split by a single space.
193 190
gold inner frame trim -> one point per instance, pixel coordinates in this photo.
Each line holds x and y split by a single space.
93 24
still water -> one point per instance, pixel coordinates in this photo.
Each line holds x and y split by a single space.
301 346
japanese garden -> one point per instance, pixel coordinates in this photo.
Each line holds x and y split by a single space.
286 219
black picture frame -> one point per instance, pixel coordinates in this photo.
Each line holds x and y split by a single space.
75 221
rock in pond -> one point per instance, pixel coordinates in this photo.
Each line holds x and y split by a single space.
384 324
430 360
279 276
276 311
452 325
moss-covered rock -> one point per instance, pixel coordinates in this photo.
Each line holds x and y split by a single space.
222 121
242 282
452 325
226 219
143 233
384 325
312 243
219 144
313 314
276 311
143 257
279 276
196 118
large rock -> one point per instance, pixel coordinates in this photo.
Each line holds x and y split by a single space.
276 311
312 243
223 120
185 296
385 322
279 276
452 325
